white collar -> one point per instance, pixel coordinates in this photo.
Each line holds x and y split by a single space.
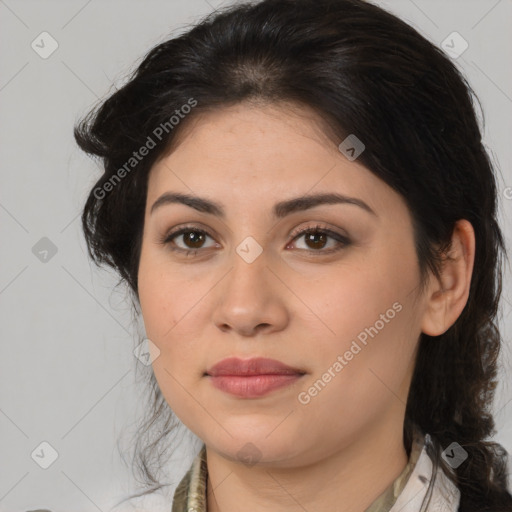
424 481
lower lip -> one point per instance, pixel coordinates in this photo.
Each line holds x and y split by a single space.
252 386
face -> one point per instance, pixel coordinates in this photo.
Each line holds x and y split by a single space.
338 303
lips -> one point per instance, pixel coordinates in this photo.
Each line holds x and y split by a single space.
252 378
234 366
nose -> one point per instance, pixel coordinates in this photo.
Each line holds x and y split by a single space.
251 299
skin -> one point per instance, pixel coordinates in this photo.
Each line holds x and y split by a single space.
293 303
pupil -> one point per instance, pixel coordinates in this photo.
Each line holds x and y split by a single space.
311 238
194 238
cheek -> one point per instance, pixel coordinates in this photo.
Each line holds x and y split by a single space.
171 305
167 308
164 295
361 373
348 299
373 324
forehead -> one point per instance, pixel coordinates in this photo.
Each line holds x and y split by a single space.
254 132
242 152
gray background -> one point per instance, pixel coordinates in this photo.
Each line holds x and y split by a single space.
67 369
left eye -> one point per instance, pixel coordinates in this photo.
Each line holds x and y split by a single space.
317 238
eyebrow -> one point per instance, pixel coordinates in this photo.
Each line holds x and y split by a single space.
280 210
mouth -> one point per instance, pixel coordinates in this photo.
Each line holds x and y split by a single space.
252 378
253 366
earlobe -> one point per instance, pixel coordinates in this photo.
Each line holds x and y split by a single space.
447 297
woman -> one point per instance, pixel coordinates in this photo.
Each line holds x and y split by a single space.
297 195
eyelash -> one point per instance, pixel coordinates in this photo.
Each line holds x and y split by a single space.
343 240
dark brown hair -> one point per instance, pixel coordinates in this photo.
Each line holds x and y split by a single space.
365 72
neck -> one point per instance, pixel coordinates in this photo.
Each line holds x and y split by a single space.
348 479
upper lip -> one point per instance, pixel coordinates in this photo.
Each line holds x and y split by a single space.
253 366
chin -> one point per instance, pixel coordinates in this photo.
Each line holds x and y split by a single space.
249 448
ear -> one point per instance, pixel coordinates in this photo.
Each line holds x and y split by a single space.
447 297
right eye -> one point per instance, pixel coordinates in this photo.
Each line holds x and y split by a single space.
191 237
